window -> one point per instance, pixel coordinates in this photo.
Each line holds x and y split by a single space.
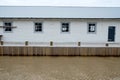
7 26
65 27
91 27
38 27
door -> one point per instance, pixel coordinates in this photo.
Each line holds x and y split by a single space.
111 33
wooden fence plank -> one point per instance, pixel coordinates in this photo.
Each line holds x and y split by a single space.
1 50
72 51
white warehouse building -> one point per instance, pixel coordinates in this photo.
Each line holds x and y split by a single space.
91 26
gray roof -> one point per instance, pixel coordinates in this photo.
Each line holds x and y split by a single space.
58 12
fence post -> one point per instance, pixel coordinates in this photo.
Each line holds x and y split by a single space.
26 43
1 42
78 43
106 44
1 37
51 43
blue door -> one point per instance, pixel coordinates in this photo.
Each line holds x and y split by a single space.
111 33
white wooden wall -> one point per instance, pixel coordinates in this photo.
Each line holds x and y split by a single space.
52 31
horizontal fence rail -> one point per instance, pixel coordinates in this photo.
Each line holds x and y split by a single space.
58 51
60 44
38 44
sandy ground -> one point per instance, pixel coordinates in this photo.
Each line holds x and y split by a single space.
59 68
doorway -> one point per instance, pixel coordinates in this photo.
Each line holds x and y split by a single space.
111 33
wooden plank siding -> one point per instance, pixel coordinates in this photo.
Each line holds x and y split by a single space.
58 51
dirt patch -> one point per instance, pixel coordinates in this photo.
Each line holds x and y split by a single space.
59 68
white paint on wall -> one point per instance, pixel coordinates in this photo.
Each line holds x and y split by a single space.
52 31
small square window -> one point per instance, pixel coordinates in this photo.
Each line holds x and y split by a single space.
8 27
38 27
65 27
91 27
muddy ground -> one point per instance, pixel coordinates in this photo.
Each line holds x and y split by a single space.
59 68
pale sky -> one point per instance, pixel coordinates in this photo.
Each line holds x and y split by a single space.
106 3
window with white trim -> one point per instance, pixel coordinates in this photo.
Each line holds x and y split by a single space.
65 27
91 27
7 26
38 27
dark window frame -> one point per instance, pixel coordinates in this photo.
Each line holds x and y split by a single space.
8 27
38 27
65 27
92 28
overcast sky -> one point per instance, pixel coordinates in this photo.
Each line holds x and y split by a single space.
112 3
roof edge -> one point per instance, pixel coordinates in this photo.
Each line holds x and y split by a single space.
64 6
49 18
